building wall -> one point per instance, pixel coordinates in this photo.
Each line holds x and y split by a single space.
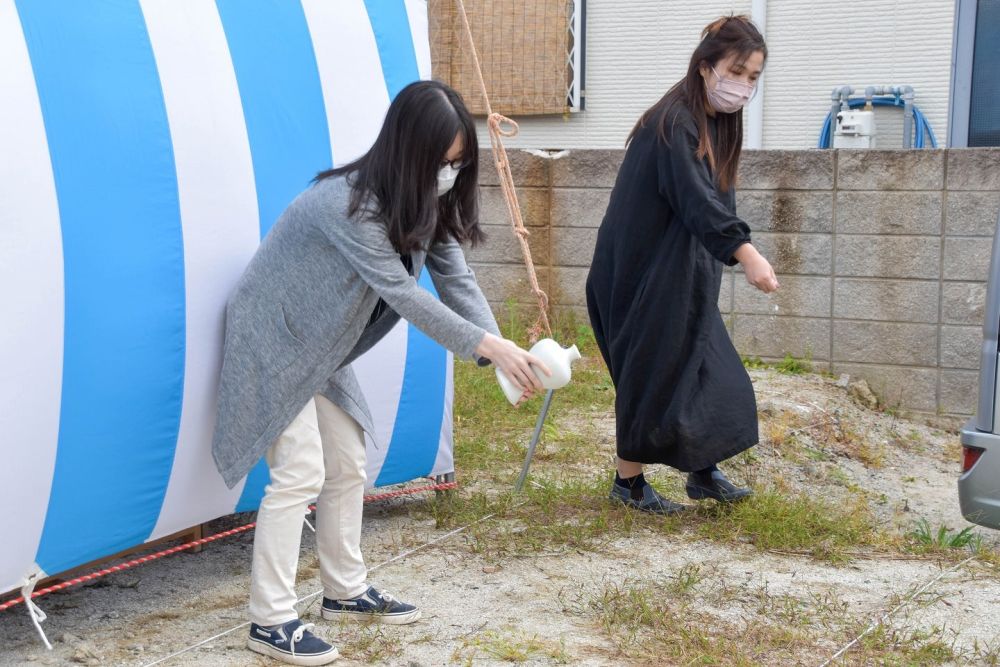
815 46
637 49
882 257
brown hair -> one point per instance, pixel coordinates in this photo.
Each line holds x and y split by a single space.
719 39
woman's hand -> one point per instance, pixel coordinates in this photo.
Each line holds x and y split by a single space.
514 362
757 269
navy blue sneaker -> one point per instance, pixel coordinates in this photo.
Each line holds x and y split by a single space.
715 486
292 643
372 605
651 501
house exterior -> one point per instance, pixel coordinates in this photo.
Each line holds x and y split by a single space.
636 49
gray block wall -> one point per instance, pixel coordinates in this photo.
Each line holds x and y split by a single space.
882 257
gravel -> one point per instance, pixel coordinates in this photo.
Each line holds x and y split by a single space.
474 606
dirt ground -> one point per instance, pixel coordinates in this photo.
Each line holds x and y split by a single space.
551 605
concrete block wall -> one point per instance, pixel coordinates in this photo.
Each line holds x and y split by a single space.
882 257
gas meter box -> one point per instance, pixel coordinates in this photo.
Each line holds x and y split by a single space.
855 129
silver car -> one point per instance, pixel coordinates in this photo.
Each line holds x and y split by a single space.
979 485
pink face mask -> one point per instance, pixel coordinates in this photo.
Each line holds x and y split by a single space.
728 95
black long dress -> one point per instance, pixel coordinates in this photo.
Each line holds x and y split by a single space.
683 396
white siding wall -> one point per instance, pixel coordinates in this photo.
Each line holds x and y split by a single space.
816 46
636 49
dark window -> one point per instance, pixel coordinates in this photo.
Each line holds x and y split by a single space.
984 102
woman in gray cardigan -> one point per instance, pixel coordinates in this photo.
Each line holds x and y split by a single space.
333 276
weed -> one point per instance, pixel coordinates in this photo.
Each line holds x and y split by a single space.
689 576
787 366
773 520
511 646
893 646
870 454
814 454
641 621
367 643
781 430
943 538
792 366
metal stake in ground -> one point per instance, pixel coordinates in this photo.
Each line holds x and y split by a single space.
534 441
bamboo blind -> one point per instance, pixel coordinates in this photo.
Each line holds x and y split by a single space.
523 49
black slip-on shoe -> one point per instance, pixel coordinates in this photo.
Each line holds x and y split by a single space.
651 501
714 486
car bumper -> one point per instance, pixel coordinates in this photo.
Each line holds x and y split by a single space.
979 487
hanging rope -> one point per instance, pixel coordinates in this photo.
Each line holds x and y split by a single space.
495 124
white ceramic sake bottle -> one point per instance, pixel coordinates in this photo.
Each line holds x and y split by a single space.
559 360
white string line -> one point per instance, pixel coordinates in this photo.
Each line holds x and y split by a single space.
885 617
397 557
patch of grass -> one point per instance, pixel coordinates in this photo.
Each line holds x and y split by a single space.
771 519
491 436
554 516
891 646
799 436
511 646
781 431
943 538
689 576
792 366
644 619
989 557
838 477
872 455
565 505
814 454
644 623
564 447
952 452
788 366
985 652
550 517
367 643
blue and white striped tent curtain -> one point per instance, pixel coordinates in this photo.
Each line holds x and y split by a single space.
146 146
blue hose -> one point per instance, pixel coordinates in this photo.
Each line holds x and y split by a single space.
920 124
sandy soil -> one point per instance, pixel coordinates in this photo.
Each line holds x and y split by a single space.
542 608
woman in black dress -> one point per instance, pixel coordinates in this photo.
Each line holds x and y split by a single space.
684 398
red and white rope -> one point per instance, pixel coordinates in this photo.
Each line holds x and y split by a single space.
205 540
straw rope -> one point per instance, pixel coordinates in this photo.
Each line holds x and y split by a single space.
495 123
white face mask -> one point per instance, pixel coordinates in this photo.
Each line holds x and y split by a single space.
446 178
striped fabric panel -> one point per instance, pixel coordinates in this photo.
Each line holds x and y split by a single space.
123 261
31 289
157 142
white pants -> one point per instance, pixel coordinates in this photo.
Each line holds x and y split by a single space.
321 454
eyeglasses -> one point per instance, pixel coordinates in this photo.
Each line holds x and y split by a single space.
460 163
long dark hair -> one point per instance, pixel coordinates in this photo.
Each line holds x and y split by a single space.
719 39
396 180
